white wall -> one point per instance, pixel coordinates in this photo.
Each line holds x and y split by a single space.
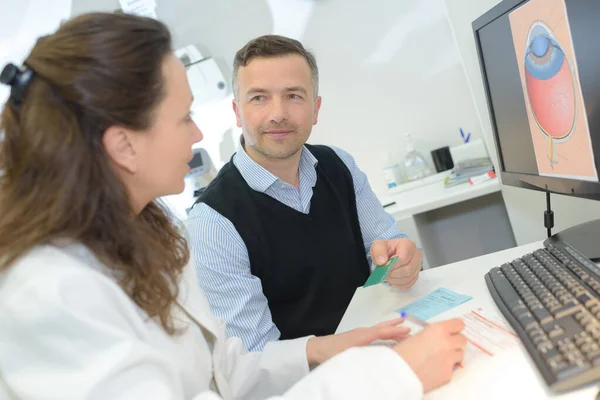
386 67
525 207
21 23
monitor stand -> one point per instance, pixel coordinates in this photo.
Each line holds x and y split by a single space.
585 238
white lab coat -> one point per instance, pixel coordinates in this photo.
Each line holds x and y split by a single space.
68 331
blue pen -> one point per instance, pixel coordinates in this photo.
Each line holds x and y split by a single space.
414 319
462 134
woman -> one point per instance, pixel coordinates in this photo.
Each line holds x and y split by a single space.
94 300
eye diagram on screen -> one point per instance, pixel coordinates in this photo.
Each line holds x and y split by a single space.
552 90
550 87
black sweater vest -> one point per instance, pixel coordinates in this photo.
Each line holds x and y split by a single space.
309 264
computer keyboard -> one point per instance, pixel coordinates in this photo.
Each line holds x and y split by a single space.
551 298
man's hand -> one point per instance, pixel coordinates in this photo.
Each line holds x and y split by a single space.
405 272
321 349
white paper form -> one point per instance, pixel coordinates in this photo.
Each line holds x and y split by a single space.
145 8
488 335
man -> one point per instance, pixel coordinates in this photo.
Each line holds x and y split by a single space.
281 237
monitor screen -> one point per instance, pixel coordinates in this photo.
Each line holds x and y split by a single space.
541 66
196 161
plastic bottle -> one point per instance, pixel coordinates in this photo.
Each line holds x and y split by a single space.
391 172
415 165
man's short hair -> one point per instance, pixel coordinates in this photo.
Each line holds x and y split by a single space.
273 46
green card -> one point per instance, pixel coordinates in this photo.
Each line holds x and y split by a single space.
380 272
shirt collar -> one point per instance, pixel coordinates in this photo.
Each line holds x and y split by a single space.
257 177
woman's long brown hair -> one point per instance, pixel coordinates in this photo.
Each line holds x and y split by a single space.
95 71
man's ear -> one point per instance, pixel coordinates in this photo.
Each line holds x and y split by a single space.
119 145
316 110
236 110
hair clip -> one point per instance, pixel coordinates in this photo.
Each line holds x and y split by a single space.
18 79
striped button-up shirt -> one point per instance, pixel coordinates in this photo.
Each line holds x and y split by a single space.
221 258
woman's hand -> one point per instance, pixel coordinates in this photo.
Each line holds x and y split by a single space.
322 348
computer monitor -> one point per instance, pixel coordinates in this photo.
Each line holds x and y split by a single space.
540 62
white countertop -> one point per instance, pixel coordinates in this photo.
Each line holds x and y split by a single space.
434 195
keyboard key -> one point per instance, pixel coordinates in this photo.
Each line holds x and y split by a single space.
594 357
556 288
589 347
529 296
556 334
588 264
581 335
551 351
546 347
566 345
541 314
594 331
553 306
539 339
574 357
569 324
505 289
572 284
557 363
592 304
594 309
588 320
561 257
526 320
594 284
565 298
533 327
537 335
579 291
519 308
566 310
578 271
571 370
506 268
585 297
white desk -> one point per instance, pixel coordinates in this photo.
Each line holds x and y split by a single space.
510 375
453 224
434 195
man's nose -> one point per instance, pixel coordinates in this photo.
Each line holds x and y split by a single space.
278 111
